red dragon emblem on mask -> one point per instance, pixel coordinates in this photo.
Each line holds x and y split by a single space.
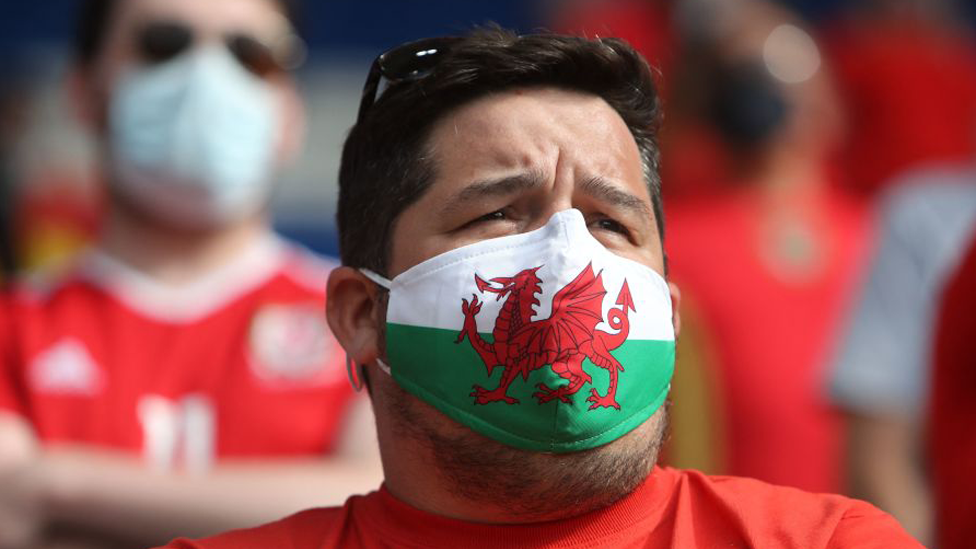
562 341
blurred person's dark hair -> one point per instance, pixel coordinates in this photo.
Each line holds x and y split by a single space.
386 165
95 16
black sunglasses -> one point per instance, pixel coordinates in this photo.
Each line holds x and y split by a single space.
407 62
158 42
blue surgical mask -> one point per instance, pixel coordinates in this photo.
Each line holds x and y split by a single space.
193 139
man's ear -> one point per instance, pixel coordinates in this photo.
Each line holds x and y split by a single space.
350 308
675 308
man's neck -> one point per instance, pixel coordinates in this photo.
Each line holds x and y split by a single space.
171 255
416 482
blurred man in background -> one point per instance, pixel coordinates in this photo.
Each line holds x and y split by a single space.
884 362
180 377
767 260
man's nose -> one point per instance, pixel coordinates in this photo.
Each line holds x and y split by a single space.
559 197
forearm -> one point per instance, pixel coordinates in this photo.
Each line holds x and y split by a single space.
116 495
886 469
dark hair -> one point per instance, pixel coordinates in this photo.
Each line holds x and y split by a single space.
95 16
385 165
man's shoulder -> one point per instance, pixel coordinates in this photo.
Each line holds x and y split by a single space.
757 493
808 519
303 529
306 268
49 290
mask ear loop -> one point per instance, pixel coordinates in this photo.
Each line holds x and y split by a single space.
355 371
378 279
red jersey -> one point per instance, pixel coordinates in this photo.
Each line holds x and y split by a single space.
673 508
952 441
771 331
240 363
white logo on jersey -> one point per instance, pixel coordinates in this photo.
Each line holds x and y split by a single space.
292 345
66 368
178 433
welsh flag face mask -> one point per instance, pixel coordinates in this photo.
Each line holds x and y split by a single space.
544 341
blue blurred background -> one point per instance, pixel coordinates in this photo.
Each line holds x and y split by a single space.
343 36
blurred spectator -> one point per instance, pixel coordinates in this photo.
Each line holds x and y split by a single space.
645 24
180 377
951 438
882 369
769 260
907 74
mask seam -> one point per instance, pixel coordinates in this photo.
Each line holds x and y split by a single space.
464 259
654 275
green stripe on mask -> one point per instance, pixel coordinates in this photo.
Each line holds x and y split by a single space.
429 364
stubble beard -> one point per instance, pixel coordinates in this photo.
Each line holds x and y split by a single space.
527 486
530 486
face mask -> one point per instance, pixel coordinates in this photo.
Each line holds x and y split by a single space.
748 106
545 341
193 139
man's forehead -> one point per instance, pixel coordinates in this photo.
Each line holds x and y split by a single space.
532 129
527 112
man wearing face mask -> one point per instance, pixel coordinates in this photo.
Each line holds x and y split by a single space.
505 308
181 376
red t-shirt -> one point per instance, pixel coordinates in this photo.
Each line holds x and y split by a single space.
952 420
673 508
771 333
238 364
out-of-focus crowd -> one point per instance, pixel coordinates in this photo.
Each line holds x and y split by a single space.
821 206
820 200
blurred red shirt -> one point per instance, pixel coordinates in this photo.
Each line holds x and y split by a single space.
910 95
238 364
952 418
671 509
770 331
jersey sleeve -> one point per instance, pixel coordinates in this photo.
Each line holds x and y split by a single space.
881 362
867 527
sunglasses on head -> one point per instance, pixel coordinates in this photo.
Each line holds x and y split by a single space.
407 62
158 42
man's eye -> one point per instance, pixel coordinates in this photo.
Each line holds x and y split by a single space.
496 215
608 224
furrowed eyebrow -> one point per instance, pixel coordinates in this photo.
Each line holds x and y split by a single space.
490 188
601 189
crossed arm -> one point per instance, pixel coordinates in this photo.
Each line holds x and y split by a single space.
82 496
